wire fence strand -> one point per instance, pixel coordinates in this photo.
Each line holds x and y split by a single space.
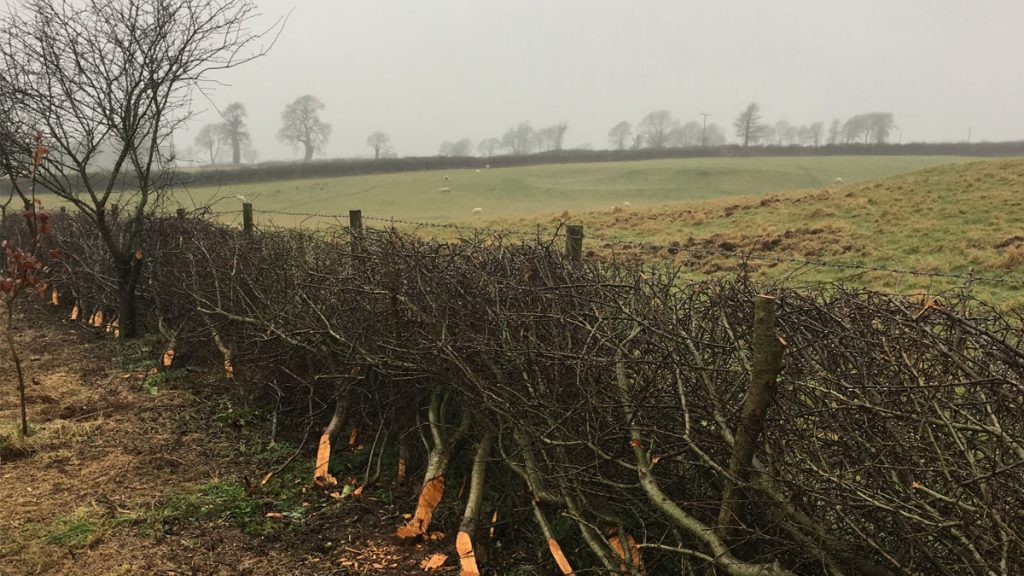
672 248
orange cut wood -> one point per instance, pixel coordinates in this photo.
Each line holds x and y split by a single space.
168 360
401 470
353 436
559 556
634 553
494 522
321 477
55 297
467 557
75 312
229 369
430 497
433 562
97 319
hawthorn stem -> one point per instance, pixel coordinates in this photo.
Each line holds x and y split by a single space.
9 332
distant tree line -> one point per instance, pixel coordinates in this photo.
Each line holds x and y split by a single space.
869 128
660 129
271 171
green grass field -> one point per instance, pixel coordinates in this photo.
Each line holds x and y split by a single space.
549 189
946 219
927 214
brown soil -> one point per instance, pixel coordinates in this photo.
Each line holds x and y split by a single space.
107 450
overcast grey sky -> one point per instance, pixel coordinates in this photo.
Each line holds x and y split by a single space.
428 71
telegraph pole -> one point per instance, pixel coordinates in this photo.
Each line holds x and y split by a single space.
704 130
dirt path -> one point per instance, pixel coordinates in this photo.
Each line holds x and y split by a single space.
128 475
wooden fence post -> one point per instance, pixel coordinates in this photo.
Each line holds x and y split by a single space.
181 214
355 224
574 242
247 218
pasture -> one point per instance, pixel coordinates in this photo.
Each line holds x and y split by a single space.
945 219
549 189
921 213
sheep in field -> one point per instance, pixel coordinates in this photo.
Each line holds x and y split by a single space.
478 211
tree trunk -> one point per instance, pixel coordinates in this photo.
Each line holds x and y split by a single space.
236 151
766 363
17 365
468 541
470 518
309 151
127 285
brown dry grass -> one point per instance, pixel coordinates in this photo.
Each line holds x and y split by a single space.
952 218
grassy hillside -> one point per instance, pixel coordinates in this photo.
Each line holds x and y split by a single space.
950 218
551 189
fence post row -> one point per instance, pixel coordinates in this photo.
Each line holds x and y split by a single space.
247 218
181 214
574 242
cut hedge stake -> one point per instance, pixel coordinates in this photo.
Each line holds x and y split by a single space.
247 218
355 224
574 242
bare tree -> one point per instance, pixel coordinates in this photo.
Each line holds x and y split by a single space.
880 124
301 124
445 149
488 147
380 142
520 139
234 129
687 135
785 133
815 132
250 154
714 135
553 137
114 77
748 124
620 134
834 131
208 140
463 147
655 128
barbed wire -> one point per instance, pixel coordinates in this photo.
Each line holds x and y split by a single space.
672 248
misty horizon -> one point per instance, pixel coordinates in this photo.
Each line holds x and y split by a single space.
425 74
